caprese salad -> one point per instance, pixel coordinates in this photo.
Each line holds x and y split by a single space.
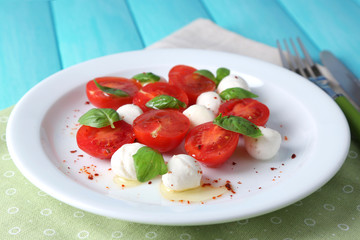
136 120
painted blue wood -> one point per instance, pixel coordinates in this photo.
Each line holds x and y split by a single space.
157 19
89 29
263 21
28 50
330 24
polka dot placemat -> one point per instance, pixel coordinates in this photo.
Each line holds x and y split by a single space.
332 212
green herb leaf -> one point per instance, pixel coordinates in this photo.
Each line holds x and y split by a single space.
165 101
146 77
220 74
99 117
207 74
238 124
113 91
238 93
148 164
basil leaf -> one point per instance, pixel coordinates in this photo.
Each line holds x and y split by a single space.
221 73
165 101
148 164
113 91
99 117
146 77
238 93
206 73
238 124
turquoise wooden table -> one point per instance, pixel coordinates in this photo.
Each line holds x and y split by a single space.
40 37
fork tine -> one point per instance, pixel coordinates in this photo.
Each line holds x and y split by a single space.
282 56
308 58
302 66
294 66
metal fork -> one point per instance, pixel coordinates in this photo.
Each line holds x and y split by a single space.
308 69
304 67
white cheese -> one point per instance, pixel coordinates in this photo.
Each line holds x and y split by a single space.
232 81
210 100
198 114
263 147
122 162
129 112
184 172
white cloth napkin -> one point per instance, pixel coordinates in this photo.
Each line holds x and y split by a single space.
204 34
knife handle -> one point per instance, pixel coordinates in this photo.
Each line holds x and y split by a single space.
352 115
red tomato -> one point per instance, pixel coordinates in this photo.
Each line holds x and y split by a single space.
103 142
162 130
211 144
193 84
248 108
152 90
101 99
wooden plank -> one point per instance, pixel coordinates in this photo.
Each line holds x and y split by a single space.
331 25
157 19
90 29
27 48
263 21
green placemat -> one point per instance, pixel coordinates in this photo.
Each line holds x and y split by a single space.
26 212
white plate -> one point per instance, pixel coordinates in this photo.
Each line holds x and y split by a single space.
42 127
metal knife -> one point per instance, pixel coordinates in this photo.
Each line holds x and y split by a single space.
351 86
347 80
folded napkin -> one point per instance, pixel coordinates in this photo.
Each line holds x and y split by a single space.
333 212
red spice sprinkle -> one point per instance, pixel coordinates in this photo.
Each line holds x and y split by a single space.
233 163
64 160
206 184
73 151
169 172
216 181
259 187
293 156
68 167
96 174
213 197
87 102
188 202
107 187
149 182
228 187
109 169
286 138
81 155
91 177
123 185
239 182
273 168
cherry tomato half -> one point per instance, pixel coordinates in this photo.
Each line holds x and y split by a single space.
211 144
162 130
103 142
193 84
152 90
101 99
248 108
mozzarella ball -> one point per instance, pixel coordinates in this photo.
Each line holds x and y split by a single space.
232 81
198 114
184 172
210 100
129 112
265 146
122 161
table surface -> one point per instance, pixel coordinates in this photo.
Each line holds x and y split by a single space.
40 37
